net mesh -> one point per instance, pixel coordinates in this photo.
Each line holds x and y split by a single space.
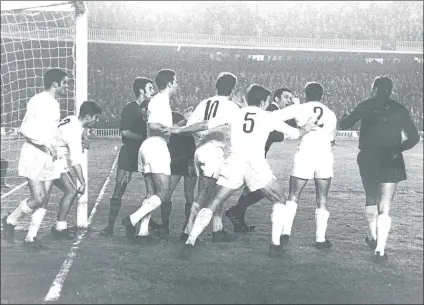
31 43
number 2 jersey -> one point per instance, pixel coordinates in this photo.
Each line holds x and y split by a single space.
218 108
69 141
319 139
249 131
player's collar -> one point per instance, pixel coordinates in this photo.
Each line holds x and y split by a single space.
274 103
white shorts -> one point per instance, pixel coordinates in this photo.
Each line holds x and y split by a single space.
154 157
236 172
208 160
38 165
309 166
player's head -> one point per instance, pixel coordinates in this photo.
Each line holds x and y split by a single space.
283 97
225 83
89 113
57 80
313 91
143 88
258 96
166 79
382 86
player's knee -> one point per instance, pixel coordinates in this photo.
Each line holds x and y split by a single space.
293 197
321 202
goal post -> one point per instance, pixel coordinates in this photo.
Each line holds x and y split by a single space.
35 37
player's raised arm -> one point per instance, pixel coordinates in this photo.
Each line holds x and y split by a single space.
349 120
412 136
287 113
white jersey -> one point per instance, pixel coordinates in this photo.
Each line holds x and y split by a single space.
250 129
68 140
315 140
159 111
41 118
218 108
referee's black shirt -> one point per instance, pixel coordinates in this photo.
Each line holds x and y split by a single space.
382 122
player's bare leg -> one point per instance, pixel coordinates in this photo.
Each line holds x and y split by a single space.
122 180
35 205
296 186
384 221
219 194
236 213
69 188
161 184
274 193
189 186
371 188
322 214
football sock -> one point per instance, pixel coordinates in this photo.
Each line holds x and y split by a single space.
371 213
21 209
291 208
202 220
384 223
217 220
277 219
144 225
321 219
148 206
36 219
165 212
61 225
195 207
115 207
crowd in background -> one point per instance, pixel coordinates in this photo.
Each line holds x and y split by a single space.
346 80
368 20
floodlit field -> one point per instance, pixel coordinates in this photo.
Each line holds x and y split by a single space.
110 270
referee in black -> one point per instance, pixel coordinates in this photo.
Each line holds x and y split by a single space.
380 159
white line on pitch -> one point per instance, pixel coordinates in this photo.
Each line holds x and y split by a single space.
56 287
14 190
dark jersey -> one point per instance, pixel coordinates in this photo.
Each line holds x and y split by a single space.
382 122
276 136
131 119
181 146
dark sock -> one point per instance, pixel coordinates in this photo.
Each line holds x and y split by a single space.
115 207
247 200
187 209
165 211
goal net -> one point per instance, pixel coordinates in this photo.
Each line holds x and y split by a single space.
35 37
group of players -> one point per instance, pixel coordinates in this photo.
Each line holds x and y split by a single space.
222 145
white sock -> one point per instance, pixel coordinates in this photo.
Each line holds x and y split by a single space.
277 218
371 213
144 225
195 207
217 221
148 206
291 208
36 220
61 225
21 209
321 219
202 220
384 223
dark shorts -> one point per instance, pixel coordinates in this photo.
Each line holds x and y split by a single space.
183 167
381 168
128 158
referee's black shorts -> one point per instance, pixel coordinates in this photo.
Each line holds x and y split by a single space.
128 158
381 168
183 167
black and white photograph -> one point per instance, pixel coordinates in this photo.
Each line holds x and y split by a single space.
212 152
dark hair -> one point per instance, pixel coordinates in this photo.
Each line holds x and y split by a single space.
89 108
279 93
256 94
53 76
314 91
164 77
140 83
383 85
225 83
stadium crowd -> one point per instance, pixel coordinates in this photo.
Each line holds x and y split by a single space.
368 20
346 80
